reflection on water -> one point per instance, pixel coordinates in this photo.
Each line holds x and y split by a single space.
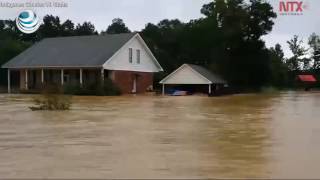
266 136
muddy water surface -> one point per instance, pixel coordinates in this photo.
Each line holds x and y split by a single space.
264 136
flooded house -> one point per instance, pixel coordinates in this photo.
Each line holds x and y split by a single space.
123 58
190 78
306 81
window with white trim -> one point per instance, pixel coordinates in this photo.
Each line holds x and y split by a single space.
138 56
130 55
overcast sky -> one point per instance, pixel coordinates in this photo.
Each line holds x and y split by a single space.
136 13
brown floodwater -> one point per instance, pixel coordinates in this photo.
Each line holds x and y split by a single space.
241 136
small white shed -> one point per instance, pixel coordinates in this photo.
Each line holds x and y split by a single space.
189 74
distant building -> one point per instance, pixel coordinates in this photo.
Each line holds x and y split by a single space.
124 58
307 78
194 77
307 81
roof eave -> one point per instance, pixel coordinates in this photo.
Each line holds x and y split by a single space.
49 67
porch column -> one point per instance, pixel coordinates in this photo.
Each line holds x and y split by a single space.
163 89
81 80
42 76
102 76
9 82
209 88
62 79
26 79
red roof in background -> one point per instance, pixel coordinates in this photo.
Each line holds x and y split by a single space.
307 78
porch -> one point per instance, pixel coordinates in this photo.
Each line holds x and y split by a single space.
34 79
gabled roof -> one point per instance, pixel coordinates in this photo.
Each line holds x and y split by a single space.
76 51
203 72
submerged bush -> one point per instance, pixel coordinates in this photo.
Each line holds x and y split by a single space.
108 88
52 98
269 89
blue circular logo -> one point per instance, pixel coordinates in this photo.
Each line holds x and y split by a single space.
28 22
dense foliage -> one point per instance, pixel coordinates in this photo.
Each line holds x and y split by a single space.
227 40
10 46
117 27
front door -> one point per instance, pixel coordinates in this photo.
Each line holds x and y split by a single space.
134 85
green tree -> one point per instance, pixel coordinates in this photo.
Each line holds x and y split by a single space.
9 48
298 60
279 70
314 43
117 27
260 19
67 28
51 27
87 28
245 60
164 40
277 50
8 29
2 25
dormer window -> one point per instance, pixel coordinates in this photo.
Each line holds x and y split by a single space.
130 55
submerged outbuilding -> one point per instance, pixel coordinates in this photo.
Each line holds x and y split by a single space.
306 81
194 76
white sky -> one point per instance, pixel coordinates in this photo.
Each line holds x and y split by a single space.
136 13
287 26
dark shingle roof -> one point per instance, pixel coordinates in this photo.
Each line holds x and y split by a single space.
216 79
77 51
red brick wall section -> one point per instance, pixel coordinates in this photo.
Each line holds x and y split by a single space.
124 80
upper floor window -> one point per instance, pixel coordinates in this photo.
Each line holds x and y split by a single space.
130 55
138 56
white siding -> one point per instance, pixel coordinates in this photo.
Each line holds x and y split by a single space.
120 61
186 75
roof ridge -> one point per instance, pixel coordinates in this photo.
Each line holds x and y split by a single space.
97 35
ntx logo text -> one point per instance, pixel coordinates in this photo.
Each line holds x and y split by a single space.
291 7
